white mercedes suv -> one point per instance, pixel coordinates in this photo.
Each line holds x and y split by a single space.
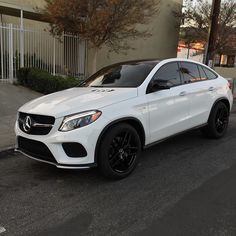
120 110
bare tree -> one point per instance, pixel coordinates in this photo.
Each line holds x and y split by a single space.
101 22
196 21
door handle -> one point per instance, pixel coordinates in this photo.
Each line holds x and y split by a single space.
182 94
211 89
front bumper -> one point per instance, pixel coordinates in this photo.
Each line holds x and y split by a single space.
62 166
86 136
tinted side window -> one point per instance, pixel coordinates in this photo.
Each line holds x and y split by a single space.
169 73
190 72
202 73
209 74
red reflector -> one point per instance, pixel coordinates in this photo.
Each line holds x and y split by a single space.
230 84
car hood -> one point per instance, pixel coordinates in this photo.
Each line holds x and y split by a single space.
75 100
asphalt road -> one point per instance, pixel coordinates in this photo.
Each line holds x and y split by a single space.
184 186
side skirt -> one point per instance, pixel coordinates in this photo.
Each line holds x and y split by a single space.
164 139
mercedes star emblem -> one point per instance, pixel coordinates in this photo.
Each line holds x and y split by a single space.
27 124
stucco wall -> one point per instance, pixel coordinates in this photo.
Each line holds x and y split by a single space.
31 24
31 4
226 72
25 5
162 44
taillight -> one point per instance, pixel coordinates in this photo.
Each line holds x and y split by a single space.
230 84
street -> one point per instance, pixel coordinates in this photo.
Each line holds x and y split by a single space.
183 186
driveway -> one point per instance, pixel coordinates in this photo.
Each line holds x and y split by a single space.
11 98
184 186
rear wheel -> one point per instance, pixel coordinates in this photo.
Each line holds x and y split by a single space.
217 122
119 151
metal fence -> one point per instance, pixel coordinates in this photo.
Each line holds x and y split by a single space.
25 47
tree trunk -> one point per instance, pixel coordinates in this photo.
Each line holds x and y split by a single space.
220 59
213 30
188 54
94 60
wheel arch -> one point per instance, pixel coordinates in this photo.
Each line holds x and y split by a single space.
134 122
224 100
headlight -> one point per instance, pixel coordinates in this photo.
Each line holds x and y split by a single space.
79 120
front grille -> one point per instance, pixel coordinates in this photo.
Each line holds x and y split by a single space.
35 149
45 123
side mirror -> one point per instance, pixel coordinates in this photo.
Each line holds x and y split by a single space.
156 85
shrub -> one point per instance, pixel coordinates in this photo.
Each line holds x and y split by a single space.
43 82
22 75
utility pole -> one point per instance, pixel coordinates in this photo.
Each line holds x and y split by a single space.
211 46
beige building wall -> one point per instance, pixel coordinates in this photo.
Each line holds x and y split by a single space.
162 44
31 24
26 5
30 4
226 72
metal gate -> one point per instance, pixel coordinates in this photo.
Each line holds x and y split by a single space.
25 47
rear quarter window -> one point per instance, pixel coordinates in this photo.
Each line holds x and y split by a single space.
209 73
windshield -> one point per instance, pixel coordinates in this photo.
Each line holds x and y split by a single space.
121 75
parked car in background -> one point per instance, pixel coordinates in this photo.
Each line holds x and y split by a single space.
120 110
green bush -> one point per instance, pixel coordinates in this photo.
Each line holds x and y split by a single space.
22 75
43 82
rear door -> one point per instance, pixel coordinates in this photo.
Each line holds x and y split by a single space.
201 91
169 108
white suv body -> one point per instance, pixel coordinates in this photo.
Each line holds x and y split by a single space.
179 102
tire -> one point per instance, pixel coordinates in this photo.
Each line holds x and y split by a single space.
217 122
119 151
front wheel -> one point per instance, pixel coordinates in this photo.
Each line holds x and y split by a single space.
217 122
119 151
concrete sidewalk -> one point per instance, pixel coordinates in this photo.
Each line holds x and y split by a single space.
11 98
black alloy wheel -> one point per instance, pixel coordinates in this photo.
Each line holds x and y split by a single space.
222 119
218 121
119 151
123 151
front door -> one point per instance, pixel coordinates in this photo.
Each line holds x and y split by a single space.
168 108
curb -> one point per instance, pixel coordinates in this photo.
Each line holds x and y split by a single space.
7 151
